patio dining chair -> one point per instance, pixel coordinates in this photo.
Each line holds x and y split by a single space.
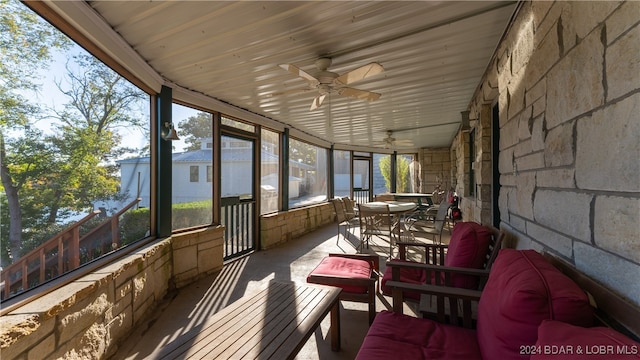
375 220
344 219
420 227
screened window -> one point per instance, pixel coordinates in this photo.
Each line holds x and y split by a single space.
77 167
381 174
341 173
191 195
307 174
269 171
237 124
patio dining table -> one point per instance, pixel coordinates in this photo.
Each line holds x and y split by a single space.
397 209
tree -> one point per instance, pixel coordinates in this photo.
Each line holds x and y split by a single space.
25 44
195 128
46 175
402 172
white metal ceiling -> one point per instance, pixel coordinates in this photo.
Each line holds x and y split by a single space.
434 55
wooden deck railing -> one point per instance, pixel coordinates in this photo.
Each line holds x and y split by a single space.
62 253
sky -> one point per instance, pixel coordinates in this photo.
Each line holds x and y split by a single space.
50 96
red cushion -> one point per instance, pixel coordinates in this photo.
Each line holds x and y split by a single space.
523 290
396 336
562 341
412 276
468 248
346 268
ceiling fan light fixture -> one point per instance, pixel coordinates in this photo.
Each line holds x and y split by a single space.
327 82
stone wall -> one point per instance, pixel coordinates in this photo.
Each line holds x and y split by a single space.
89 317
279 228
435 165
566 77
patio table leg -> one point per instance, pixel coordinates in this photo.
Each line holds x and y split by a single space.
335 327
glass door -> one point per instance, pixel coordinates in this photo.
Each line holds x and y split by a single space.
361 180
238 202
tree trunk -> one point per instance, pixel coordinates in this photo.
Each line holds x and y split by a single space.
15 214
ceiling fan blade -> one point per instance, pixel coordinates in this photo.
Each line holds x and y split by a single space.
301 73
360 94
358 74
317 102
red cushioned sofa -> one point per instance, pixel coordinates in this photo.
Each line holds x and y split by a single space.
524 300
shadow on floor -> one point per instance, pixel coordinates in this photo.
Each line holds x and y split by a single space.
188 307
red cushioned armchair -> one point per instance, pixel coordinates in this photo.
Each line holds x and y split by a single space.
522 291
464 263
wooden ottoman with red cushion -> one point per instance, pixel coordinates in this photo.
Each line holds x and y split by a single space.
356 274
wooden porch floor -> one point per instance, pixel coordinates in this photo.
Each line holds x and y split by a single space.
188 307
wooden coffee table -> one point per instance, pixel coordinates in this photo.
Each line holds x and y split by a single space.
272 324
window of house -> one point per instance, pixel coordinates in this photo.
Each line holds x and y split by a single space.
307 173
194 173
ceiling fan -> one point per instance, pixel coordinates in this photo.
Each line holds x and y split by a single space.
327 82
391 142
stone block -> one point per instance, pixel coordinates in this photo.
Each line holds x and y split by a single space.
610 165
81 317
609 269
43 349
509 134
538 133
120 326
619 21
547 53
532 161
556 178
551 239
184 259
520 199
20 332
207 261
559 150
623 64
585 16
616 226
566 211
575 84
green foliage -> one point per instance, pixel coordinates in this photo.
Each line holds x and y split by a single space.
134 225
191 214
385 169
47 173
402 172
196 128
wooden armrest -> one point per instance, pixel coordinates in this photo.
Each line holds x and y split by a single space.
434 253
437 290
480 273
456 297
